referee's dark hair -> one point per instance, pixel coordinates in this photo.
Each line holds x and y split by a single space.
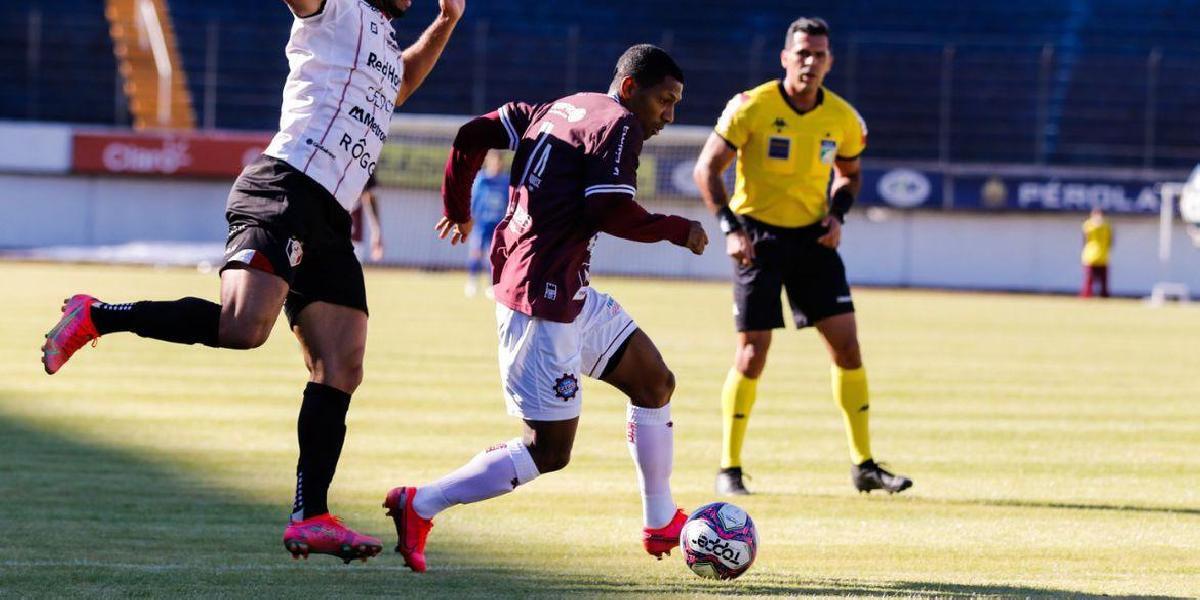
809 25
648 64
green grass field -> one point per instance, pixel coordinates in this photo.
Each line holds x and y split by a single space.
1055 445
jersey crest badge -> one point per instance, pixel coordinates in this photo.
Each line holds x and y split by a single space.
566 387
779 147
551 292
828 151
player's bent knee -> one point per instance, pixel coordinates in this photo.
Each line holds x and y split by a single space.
244 336
656 390
666 388
345 373
548 461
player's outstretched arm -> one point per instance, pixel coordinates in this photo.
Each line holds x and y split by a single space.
617 214
420 57
470 147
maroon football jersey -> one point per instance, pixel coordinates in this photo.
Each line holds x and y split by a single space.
574 175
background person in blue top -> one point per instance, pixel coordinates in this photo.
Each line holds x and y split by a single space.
489 202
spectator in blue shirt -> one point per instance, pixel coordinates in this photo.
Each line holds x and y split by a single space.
489 202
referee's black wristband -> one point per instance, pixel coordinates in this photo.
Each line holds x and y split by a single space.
840 204
727 220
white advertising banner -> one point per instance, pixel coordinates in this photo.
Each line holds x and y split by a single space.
35 148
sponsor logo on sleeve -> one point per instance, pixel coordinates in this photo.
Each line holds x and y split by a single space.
620 149
551 292
568 111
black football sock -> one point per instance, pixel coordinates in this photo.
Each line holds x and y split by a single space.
183 321
322 430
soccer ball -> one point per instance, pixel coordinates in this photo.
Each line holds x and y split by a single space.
719 541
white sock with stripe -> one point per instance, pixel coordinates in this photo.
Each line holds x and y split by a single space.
493 472
651 438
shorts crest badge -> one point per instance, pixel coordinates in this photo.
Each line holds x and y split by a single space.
566 387
295 252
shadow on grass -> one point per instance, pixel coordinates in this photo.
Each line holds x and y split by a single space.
1073 506
88 520
1172 510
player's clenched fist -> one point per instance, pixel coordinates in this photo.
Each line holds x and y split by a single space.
697 238
452 9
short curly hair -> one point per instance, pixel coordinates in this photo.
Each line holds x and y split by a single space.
648 64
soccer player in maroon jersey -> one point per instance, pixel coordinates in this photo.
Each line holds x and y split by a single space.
574 175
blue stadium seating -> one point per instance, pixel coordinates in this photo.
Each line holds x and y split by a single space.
1055 81
72 74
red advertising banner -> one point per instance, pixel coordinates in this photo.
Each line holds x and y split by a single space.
192 154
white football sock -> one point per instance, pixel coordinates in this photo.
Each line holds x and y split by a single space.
493 472
652 445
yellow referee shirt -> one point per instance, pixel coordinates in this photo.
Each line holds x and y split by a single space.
1097 235
785 157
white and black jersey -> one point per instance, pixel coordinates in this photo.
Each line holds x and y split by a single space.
345 73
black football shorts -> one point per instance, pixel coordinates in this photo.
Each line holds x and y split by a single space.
789 259
282 222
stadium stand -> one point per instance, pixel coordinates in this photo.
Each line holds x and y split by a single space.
1061 82
57 63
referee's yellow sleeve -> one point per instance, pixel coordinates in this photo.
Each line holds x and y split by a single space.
733 125
854 135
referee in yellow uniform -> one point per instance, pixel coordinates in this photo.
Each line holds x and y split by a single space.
782 230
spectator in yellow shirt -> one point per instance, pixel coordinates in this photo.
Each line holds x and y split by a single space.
1097 242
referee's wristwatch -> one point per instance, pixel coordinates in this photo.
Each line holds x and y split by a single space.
727 220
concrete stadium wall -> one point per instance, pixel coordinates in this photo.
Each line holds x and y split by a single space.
1009 251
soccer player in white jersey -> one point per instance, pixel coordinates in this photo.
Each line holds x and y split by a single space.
289 238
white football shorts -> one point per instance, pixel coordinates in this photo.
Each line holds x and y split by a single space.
541 361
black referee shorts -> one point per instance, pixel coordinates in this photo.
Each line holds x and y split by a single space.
282 222
789 259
